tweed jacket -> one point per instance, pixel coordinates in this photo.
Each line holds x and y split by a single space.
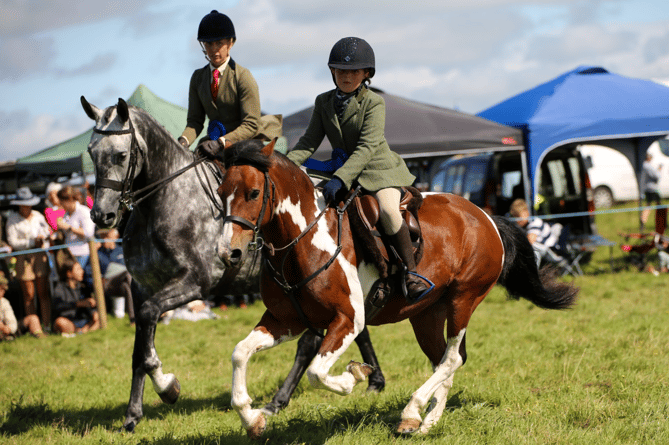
237 105
360 134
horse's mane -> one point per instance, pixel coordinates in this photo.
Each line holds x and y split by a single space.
247 153
153 130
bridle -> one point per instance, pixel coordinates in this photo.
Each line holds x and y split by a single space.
129 198
278 275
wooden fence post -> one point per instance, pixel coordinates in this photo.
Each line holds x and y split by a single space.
97 283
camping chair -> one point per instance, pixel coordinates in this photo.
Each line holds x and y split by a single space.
560 255
639 252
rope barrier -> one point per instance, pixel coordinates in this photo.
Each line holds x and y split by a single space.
596 212
58 247
551 216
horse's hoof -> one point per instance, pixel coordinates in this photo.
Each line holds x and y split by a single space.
376 386
359 370
128 427
171 395
408 426
258 427
271 409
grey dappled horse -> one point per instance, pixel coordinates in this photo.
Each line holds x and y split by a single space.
175 216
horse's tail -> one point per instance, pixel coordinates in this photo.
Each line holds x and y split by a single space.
521 276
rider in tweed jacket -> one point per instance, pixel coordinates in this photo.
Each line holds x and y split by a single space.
353 119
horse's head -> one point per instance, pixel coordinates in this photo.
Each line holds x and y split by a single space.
247 194
115 153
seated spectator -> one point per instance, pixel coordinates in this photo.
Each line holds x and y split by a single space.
74 312
9 328
27 229
543 236
195 310
115 277
76 224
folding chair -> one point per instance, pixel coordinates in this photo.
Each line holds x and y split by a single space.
639 252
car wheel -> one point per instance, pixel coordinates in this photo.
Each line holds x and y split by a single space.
603 198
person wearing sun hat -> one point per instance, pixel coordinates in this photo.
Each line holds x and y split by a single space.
27 229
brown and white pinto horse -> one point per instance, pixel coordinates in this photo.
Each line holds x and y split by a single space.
270 201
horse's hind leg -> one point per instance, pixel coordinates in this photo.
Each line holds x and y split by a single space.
307 347
376 379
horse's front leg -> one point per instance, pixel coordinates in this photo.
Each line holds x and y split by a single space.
145 359
267 334
307 347
341 333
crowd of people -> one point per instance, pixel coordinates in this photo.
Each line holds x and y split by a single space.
54 293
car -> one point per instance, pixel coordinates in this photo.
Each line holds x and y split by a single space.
612 176
494 180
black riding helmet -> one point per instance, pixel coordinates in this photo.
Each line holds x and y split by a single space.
216 26
352 53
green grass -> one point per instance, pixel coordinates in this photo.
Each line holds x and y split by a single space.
596 374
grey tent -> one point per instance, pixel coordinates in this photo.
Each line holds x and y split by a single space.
418 130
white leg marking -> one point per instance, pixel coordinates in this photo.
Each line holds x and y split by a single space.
241 401
319 368
161 382
441 376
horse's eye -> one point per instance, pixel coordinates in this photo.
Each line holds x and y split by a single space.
118 158
254 194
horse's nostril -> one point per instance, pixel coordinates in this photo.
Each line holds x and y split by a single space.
236 256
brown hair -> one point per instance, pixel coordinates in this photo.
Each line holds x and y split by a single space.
66 266
67 193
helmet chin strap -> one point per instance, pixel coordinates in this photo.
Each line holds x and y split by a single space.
204 51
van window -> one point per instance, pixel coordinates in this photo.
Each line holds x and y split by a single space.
557 180
509 181
454 178
575 169
475 179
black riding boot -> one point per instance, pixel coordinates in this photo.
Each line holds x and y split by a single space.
402 243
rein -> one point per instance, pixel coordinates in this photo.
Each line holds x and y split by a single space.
129 197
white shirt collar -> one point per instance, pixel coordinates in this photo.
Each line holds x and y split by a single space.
222 67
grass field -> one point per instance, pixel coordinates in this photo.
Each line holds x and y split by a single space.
596 374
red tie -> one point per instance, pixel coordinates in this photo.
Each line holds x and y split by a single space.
214 84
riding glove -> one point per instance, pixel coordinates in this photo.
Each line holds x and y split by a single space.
210 148
331 188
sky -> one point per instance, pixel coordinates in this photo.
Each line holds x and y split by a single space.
463 54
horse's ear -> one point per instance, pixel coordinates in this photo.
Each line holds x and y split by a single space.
91 110
122 110
269 148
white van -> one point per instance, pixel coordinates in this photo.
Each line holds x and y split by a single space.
612 176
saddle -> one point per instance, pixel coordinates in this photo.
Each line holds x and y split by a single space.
364 215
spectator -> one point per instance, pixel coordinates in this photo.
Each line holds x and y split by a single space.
115 277
9 328
53 209
650 179
27 229
76 224
544 237
74 312
90 191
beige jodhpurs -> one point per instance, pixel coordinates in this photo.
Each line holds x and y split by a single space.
389 206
